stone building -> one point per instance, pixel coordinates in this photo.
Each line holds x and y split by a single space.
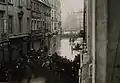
15 13
55 25
15 18
103 37
40 23
24 26
55 15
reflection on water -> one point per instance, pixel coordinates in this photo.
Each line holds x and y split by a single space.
66 51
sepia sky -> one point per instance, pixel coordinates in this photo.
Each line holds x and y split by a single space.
70 6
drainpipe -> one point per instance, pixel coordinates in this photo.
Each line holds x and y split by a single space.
93 39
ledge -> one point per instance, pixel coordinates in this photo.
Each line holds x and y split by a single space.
12 36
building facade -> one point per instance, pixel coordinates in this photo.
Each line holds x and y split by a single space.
15 26
24 19
24 27
55 25
40 24
15 13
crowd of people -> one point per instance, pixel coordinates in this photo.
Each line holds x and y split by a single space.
28 64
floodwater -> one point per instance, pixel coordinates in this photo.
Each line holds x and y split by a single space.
66 51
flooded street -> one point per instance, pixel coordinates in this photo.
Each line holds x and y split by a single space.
66 51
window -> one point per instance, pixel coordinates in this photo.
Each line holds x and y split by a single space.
10 24
37 24
32 26
40 24
55 28
20 25
32 6
28 3
37 7
20 2
9 1
1 21
28 24
40 8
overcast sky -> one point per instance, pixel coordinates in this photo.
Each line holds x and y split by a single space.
70 6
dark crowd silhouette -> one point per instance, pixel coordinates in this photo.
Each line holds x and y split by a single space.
41 64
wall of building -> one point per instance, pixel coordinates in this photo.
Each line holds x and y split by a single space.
107 40
55 24
13 10
101 40
97 23
113 62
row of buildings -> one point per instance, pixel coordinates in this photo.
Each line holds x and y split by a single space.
28 25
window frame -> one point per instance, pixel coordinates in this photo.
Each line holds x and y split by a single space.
20 3
28 24
10 29
20 24
2 26
28 2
